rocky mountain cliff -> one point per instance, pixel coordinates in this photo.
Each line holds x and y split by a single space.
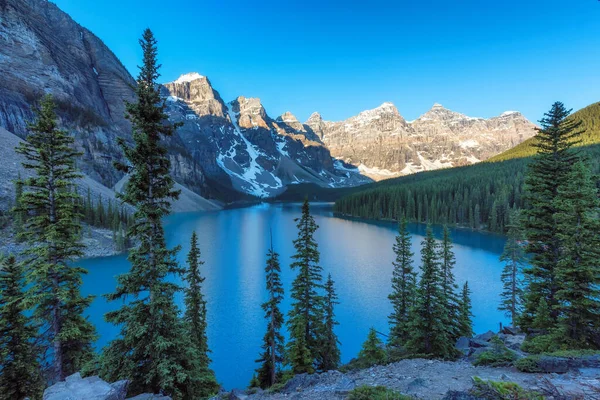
42 50
239 142
383 144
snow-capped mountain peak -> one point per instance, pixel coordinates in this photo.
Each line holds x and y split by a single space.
189 77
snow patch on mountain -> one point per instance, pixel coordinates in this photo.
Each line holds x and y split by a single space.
192 76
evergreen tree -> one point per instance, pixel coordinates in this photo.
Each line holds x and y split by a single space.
53 234
306 314
153 350
431 330
447 263
329 350
372 352
20 373
578 270
19 215
465 324
273 346
514 257
403 287
547 173
195 319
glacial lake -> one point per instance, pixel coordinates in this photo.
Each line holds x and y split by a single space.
358 255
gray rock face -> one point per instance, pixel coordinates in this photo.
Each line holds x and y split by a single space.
91 388
383 144
42 50
240 144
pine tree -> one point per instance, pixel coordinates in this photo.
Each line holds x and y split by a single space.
403 287
431 329
447 263
372 352
329 351
273 346
578 271
195 319
19 215
547 173
53 234
514 257
465 324
153 350
306 314
20 373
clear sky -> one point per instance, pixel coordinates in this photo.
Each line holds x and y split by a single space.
478 57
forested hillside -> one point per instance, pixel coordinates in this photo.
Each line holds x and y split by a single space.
477 196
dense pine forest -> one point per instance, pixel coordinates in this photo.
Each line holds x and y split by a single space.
480 196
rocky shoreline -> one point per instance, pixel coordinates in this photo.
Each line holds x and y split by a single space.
98 243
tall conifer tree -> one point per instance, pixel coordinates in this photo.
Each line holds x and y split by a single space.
273 346
153 350
329 351
449 287
403 287
511 298
578 270
53 235
20 373
465 323
431 329
306 315
195 319
547 173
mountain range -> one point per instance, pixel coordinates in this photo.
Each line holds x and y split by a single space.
223 150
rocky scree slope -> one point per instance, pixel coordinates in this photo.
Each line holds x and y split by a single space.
384 145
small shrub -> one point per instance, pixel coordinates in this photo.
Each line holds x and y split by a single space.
492 390
541 344
529 364
498 355
375 393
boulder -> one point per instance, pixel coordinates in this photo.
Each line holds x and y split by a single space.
513 342
237 394
485 336
457 395
92 388
476 343
147 396
510 330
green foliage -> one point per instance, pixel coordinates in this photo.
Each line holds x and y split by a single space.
52 231
305 323
491 390
529 364
547 175
273 342
511 298
372 352
329 352
499 355
195 320
431 324
20 371
578 272
154 349
465 323
375 393
542 343
403 287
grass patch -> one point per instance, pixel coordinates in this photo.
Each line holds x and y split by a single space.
492 390
376 393
499 355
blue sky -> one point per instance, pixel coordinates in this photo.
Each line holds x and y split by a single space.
341 57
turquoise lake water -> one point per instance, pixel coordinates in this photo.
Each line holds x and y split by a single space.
357 254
